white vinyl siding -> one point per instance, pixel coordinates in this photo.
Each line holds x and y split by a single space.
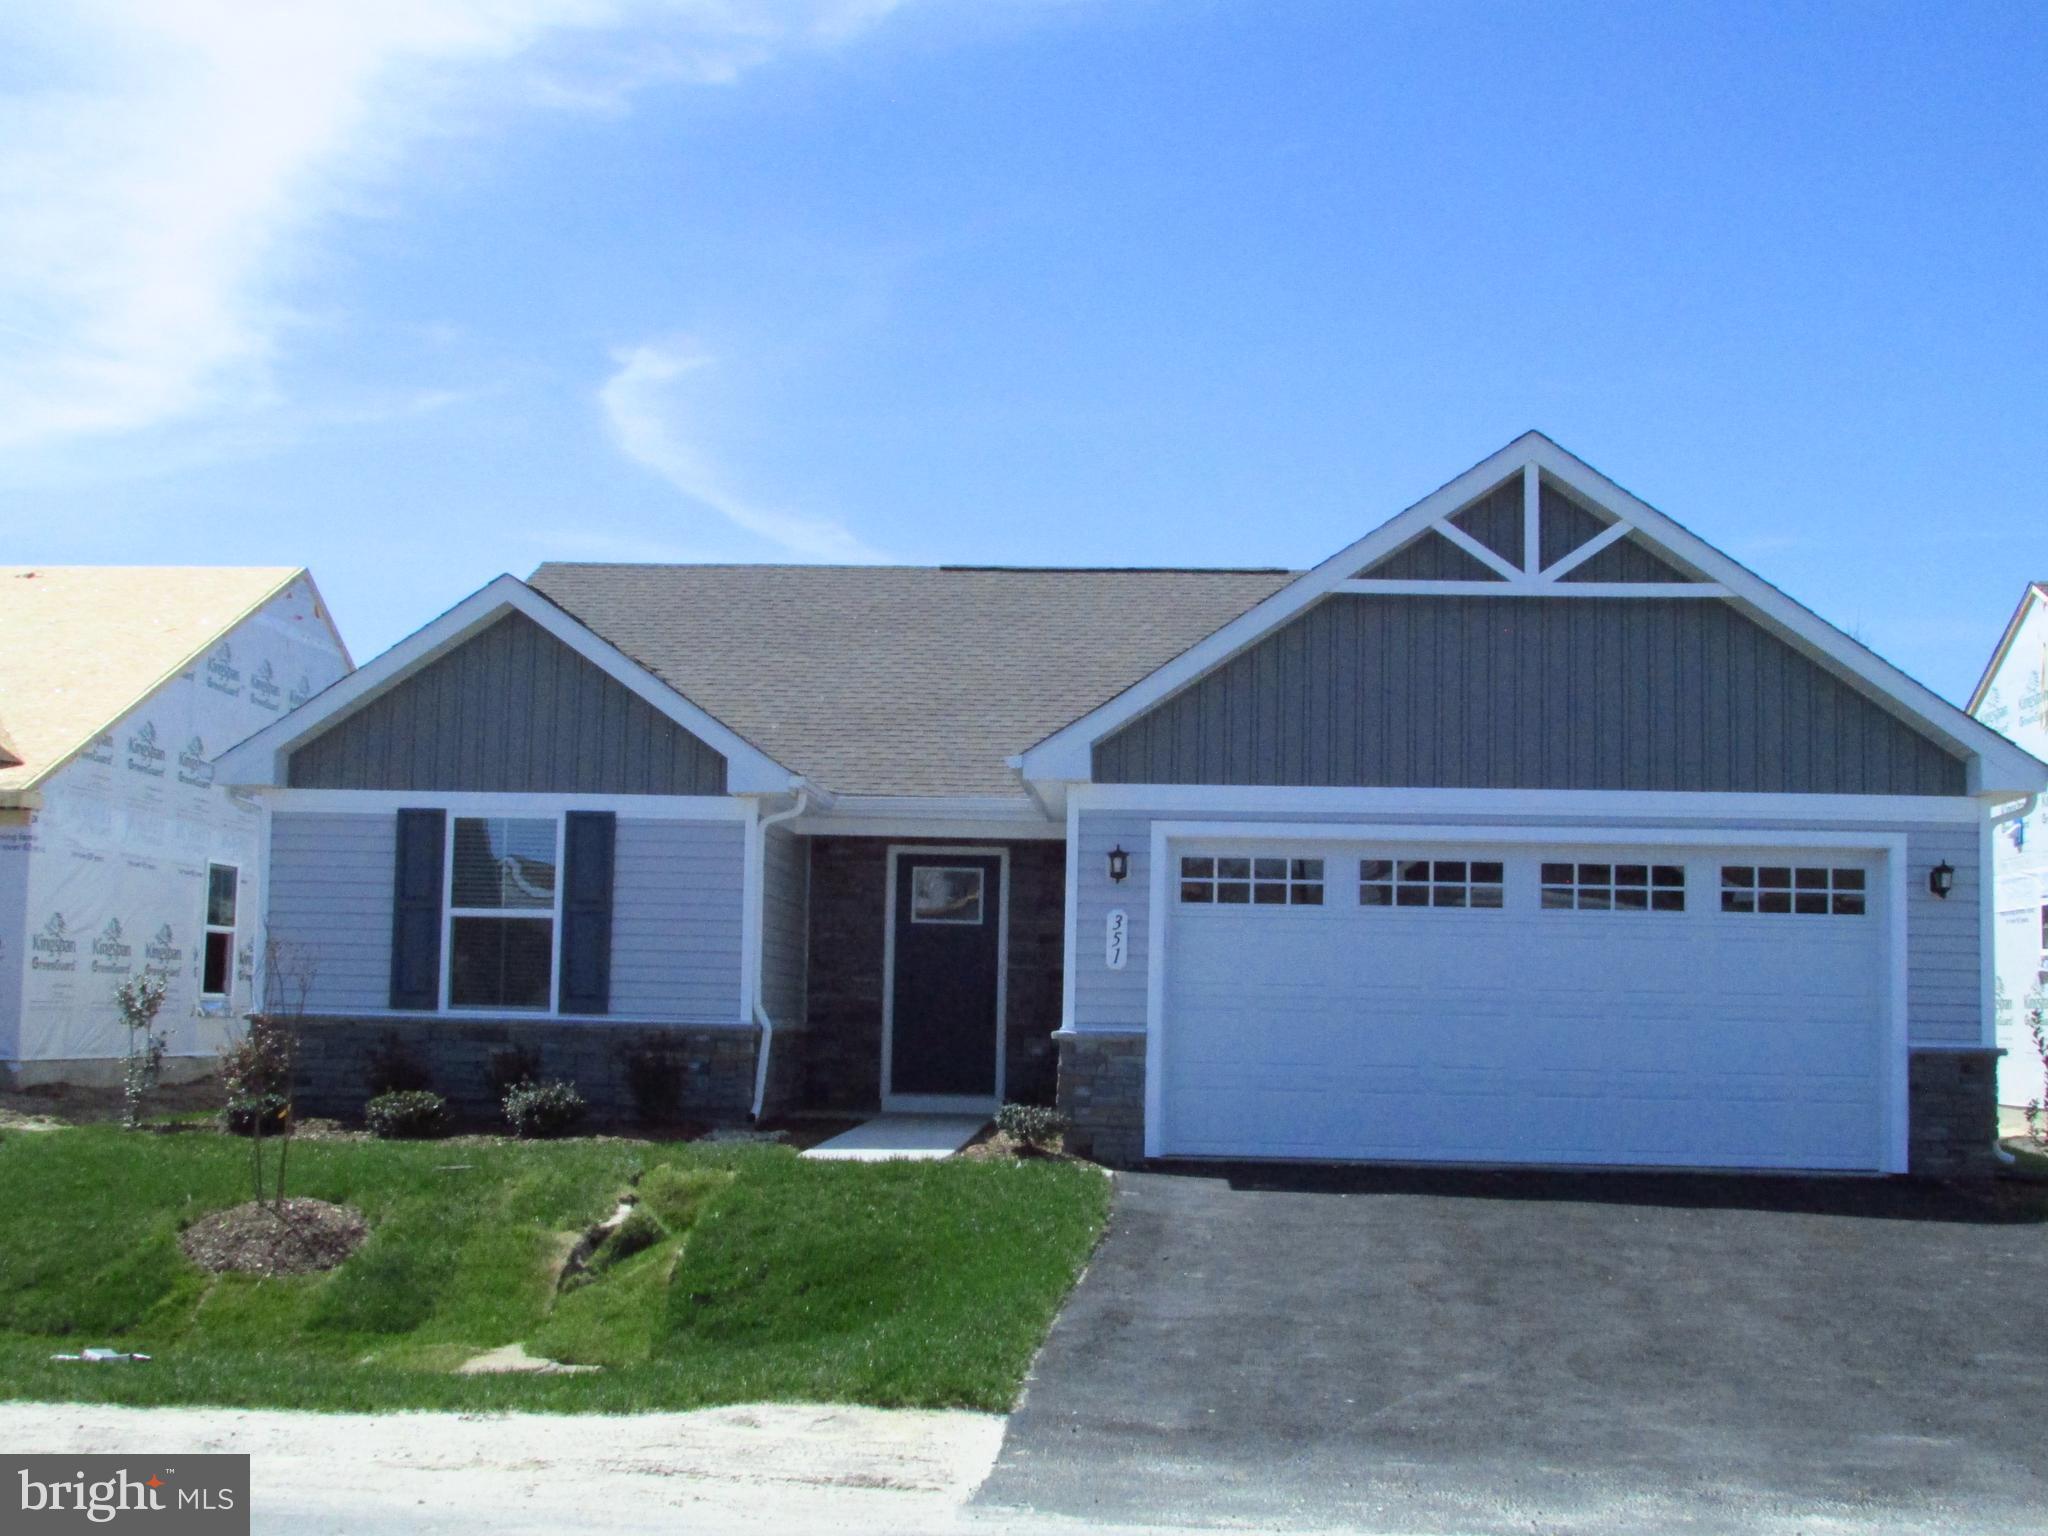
330 904
676 910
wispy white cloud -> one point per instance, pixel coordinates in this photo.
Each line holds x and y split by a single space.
164 163
644 410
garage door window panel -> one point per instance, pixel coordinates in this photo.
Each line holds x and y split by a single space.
1262 880
1391 882
1613 887
1794 890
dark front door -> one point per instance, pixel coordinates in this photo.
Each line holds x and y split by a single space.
943 996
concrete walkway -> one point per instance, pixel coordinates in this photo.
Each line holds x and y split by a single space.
918 1137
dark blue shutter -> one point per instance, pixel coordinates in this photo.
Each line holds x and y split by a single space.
416 909
587 912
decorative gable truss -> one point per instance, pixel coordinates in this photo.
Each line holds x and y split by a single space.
1527 537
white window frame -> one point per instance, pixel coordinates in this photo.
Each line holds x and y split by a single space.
1575 886
980 897
1757 890
1430 883
208 928
450 912
1289 882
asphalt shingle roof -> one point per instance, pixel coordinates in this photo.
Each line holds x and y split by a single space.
900 680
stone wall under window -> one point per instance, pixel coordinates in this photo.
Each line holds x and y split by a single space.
631 1074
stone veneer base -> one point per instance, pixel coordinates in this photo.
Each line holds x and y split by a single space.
1102 1094
1952 1113
465 1060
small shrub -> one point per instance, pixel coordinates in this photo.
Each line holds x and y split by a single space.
655 1079
636 1234
395 1067
413 1115
256 1076
539 1110
138 999
1034 1125
247 1114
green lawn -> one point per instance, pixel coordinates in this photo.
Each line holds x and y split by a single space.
893 1284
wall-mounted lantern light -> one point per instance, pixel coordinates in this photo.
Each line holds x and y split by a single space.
1942 879
1119 864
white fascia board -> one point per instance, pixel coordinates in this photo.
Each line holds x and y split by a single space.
955 816
1547 837
521 803
1997 766
2031 596
1390 587
259 761
1610 805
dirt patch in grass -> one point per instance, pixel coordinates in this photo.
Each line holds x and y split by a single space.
295 1237
316 1129
14 1120
71 1104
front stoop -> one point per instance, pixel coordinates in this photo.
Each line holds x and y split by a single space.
907 1138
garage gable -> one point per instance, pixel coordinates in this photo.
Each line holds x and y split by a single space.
1533 626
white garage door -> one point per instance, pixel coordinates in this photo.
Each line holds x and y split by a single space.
1642 1006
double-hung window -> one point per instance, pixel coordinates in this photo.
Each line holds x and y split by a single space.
217 947
502 912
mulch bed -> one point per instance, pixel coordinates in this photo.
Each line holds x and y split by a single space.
297 1237
994 1146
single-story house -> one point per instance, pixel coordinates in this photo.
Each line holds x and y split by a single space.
1528 828
2012 698
119 854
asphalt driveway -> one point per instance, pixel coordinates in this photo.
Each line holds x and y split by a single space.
1423 1351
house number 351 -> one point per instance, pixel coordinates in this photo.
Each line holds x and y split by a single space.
1116 939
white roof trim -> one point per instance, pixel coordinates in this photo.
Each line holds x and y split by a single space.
2031 596
260 760
1995 764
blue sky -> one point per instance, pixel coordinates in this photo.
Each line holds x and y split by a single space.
417 291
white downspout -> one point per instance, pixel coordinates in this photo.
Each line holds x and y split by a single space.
2020 812
766 1024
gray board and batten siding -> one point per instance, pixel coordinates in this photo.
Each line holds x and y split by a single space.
510 710
1482 692
675 919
